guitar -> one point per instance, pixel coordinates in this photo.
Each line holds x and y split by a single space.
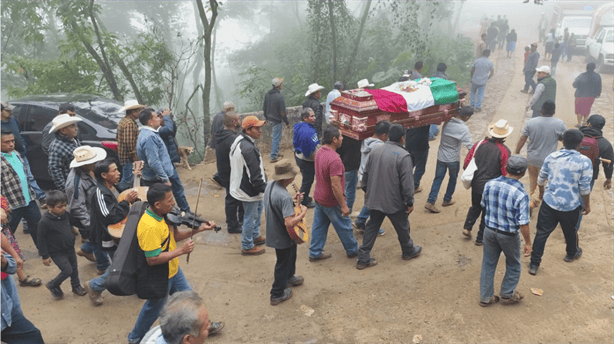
117 229
299 233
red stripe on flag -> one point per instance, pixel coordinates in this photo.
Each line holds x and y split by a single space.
389 101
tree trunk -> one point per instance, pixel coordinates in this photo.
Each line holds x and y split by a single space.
198 63
208 27
331 17
219 94
363 20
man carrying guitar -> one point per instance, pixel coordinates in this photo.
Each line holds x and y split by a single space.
280 217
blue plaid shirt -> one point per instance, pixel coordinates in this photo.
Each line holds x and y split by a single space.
506 204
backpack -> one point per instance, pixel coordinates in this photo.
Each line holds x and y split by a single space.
590 148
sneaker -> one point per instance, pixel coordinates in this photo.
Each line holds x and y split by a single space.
467 233
95 296
310 205
57 292
478 109
570 259
515 298
359 226
447 203
286 296
322 256
215 328
370 263
295 281
533 269
419 188
478 243
254 251
235 230
523 91
415 254
381 232
88 256
259 241
432 208
79 290
276 159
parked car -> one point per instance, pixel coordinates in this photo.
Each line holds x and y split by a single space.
601 49
98 128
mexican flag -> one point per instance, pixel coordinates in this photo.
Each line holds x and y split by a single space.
394 99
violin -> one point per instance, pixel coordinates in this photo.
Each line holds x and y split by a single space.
177 217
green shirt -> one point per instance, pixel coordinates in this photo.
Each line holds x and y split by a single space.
19 168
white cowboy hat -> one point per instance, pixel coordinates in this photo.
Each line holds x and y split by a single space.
364 83
64 120
500 129
543 69
313 88
131 104
85 155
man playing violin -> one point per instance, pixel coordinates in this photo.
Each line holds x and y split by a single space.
280 215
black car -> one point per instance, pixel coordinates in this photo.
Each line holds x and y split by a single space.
98 128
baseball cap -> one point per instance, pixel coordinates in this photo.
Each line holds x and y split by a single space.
251 121
596 121
543 69
517 164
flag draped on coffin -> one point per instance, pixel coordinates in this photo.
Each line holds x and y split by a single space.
393 99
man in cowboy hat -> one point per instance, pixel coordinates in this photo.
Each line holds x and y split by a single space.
217 123
280 215
313 95
65 108
80 184
506 207
453 134
275 112
127 135
364 83
491 157
544 91
544 133
60 150
248 182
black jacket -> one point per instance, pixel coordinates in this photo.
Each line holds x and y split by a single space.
274 106
350 153
417 139
55 235
315 105
224 140
105 211
605 151
588 84
217 125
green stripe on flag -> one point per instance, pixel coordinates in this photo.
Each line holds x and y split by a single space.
444 91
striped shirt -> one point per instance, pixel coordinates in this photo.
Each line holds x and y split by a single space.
506 204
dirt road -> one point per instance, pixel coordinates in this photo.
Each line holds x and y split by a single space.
435 296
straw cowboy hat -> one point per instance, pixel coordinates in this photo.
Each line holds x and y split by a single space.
364 83
313 88
62 121
85 155
500 129
132 104
284 170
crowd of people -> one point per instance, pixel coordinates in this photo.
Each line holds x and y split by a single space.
95 192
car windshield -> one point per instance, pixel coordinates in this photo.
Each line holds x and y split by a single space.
577 23
609 36
101 112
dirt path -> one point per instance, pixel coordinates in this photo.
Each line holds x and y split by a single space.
435 296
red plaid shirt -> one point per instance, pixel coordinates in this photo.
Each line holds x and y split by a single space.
127 135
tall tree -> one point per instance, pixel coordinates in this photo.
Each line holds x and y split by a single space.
208 24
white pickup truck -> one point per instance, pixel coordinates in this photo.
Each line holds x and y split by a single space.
600 48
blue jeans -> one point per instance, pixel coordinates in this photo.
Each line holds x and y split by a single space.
102 259
440 173
433 131
127 177
251 224
419 159
582 204
21 331
278 129
98 284
528 81
151 308
322 218
32 215
479 90
351 181
494 244
178 192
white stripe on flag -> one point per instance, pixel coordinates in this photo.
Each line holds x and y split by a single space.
417 100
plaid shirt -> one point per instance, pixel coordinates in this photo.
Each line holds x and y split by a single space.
127 135
506 204
60 156
11 184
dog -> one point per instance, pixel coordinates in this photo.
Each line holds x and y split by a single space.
184 153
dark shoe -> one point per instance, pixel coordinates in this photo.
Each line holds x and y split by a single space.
447 203
467 233
277 300
235 230
95 297
57 293
432 208
254 251
310 205
259 241
216 328
88 256
419 188
295 281
100 272
372 262
513 299
30 282
276 159
492 301
523 91
478 243
353 255
359 225
578 254
320 257
416 253
533 269
79 290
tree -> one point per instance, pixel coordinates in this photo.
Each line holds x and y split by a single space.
208 24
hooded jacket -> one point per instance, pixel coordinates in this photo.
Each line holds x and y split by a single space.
224 140
247 176
367 146
605 151
105 211
55 235
167 133
305 141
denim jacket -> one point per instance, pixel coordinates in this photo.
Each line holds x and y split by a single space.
152 151
10 298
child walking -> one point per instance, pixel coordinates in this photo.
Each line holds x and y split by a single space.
56 242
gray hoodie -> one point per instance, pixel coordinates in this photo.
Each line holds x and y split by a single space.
367 146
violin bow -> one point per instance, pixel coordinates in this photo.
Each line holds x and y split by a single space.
200 184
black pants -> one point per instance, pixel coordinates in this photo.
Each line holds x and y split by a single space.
234 211
308 172
399 220
21 331
474 212
547 220
67 263
285 267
